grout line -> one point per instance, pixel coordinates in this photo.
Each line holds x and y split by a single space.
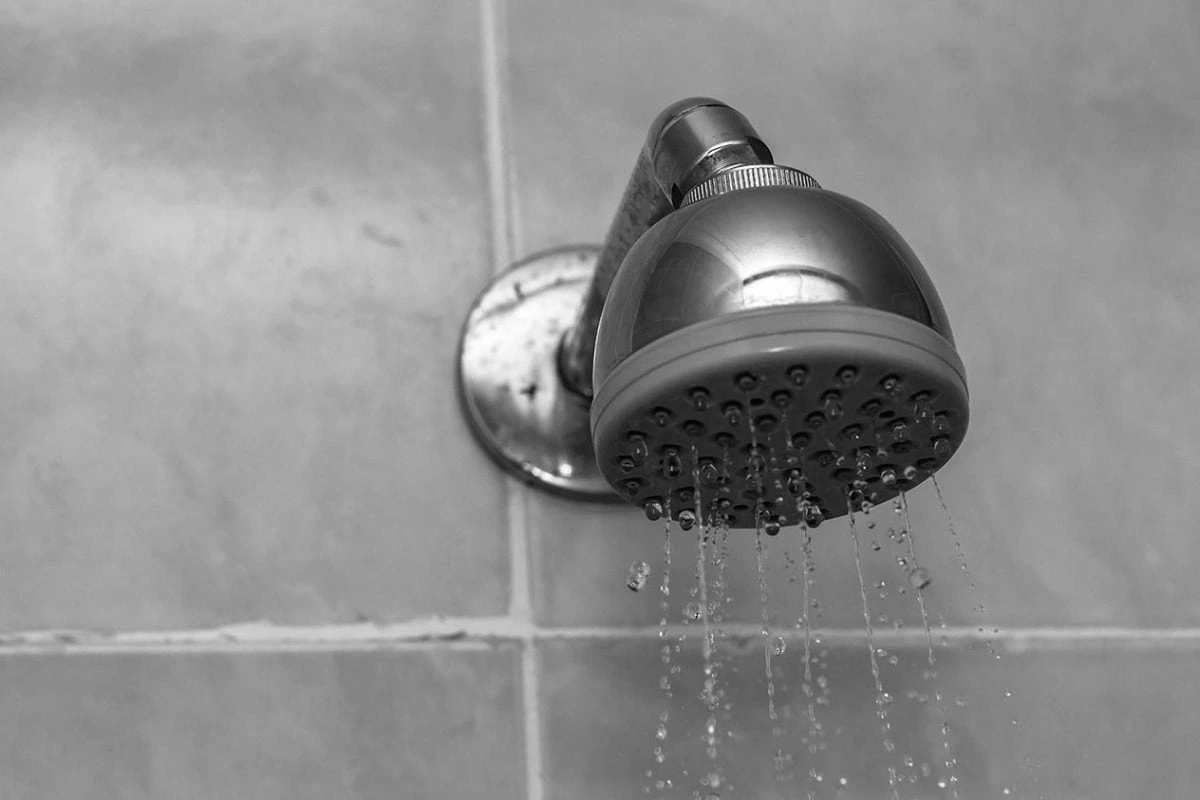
489 632
493 132
238 647
1014 639
502 205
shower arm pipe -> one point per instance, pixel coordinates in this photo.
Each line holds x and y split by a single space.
689 142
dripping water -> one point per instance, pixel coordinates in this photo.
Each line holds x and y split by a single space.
718 594
709 694
770 647
958 550
1030 763
815 731
919 580
918 577
666 649
881 698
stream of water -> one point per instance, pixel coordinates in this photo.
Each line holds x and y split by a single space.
709 779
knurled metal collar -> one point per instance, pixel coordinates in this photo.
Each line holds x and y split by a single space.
749 177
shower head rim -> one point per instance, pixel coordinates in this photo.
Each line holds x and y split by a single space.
826 337
783 320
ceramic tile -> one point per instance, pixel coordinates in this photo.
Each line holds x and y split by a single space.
585 579
1031 156
240 241
259 725
1089 722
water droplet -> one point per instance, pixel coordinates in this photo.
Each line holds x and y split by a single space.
661 416
779 646
693 610
687 518
653 510
733 415
661 733
941 447
910 472
639 571
771 528
709 474
813 516
640 449
899 430
919 578
902 561
672 467
888 476
941 423
832 405
892 385
960 701
876 546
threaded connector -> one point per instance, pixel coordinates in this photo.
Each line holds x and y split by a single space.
749 177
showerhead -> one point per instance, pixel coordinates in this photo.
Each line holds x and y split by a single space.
776 352
747 345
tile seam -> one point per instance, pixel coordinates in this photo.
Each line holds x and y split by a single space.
472 631
502 202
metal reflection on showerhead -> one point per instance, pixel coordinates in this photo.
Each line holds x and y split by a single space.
795 285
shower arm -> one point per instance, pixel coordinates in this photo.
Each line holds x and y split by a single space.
690 142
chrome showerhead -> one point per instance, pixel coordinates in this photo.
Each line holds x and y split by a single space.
778 350
768 351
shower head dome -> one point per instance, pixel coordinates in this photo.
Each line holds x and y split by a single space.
776 354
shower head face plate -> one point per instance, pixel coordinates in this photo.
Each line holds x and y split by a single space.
781 414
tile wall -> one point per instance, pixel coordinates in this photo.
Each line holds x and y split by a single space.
249 548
